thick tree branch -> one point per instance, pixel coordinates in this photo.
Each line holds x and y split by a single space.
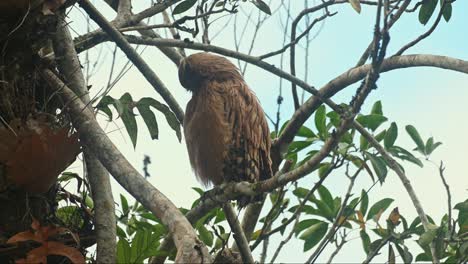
190 248
134 57
104 211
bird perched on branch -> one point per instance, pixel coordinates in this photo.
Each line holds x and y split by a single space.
225 128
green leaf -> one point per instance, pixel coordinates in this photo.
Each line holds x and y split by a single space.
404 253
305 132
324 169
124 203
377 108
304 224
313 235
123 251
320 122
447 13
301 192
262 6
426 10
70 216
425 257
365 239
405 155
427 237
372 121
356 5
184 6
168 114
413 132
149 118
103 106
363 143
462 216
364 202
391 135
379 207
326 197
206 236
334 117
391 255
144 245
379 165
431 146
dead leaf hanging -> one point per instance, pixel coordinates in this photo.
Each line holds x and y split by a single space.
34 154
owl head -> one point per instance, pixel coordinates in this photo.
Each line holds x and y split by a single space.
203 67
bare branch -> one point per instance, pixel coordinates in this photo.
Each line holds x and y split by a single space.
425 34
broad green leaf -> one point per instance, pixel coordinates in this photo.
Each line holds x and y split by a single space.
304 224
391 135
206 236
462 216
379 165
123 251
372 121
305 132
424 257
103 106
405 155
262 6
184 6
324 169
431 146
413 132
313 235
320 122
334 117
404 253
447 13
324 209
364 202
356 5
150 119
168 114
380 136
426 10
365 239
144 245
326 196
300 192
427 237
379 207
377 108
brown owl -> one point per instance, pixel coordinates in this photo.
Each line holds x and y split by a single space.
225 128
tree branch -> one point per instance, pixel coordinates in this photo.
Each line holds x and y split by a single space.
238 233
104 211
190 248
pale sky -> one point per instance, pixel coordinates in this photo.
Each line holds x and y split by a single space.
433 100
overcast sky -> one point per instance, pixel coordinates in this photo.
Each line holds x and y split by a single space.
433 100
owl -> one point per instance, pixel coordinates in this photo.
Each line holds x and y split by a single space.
225 128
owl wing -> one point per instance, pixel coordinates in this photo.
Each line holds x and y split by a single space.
248 158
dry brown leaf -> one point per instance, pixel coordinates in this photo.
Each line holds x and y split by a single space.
35 154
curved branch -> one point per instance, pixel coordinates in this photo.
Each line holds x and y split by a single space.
190 248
